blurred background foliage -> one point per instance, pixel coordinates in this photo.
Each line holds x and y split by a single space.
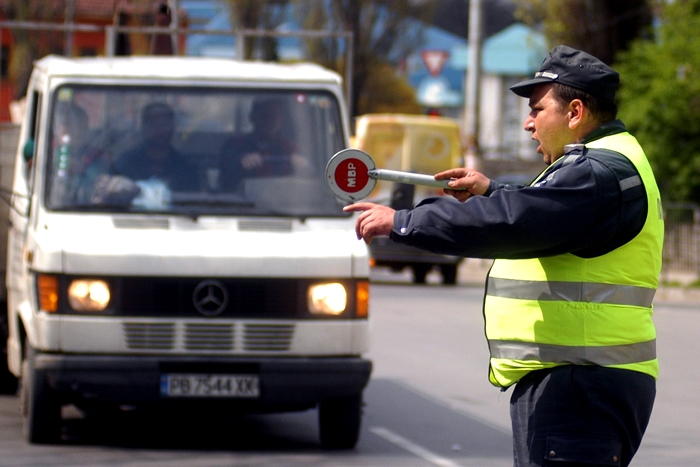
655 46
600 27
660 98
383 31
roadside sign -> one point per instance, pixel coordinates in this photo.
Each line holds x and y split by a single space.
435 60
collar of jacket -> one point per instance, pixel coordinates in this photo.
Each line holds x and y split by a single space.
606 129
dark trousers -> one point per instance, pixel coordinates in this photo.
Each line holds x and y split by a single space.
579 416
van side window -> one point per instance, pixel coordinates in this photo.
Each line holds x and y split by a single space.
31 144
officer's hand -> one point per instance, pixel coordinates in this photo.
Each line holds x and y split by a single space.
374 220
467 183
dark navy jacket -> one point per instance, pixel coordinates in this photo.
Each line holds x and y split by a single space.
576 207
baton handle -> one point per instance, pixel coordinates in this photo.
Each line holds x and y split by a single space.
408 177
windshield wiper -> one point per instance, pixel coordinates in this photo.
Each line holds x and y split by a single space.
210 199
235 204
102 207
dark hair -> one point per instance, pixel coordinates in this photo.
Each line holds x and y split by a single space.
72 115
266 107
156 108
603 110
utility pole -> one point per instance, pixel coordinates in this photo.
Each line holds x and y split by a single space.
174 23
472 93
68 20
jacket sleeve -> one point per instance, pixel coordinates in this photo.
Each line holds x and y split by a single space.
574 208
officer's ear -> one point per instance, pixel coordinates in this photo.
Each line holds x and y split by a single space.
576 113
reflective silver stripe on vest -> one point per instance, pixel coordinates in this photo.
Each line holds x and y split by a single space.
605 355
585 292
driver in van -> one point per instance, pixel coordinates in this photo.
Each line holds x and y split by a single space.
264 152
154 157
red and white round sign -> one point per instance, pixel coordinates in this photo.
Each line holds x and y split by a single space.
346 174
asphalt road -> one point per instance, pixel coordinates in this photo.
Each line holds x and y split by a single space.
428 403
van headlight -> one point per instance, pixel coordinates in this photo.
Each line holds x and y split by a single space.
327 299
88 295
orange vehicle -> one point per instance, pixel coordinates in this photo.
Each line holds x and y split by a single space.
410 143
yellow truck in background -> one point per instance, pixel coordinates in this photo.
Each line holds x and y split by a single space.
411 143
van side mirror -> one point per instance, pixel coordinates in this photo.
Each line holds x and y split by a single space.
28 150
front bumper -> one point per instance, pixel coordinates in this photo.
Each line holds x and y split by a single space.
285 383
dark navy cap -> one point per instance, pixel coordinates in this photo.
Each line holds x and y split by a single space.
574 68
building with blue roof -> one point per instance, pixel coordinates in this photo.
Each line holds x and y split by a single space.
508 56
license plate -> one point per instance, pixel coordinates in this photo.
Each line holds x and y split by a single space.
196 385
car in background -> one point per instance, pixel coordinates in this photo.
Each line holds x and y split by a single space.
410 143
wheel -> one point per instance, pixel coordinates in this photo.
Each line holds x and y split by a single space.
8 382
41 410
339 422
449 274
419 273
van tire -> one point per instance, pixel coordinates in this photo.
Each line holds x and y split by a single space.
339 422
8 382
41 410
449 274
420 271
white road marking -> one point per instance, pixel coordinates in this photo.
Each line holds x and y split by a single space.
412 447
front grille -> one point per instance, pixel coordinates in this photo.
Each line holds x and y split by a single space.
213 336
266 337
213 298
173 296
208 337
149 336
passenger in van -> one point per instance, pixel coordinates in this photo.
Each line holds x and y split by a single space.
154 157
264 152
78 163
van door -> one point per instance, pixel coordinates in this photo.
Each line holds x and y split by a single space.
20 205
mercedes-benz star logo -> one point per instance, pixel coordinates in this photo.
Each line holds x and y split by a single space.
210 297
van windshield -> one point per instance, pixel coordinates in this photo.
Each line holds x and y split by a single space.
192 151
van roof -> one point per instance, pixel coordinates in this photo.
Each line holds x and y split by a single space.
197 68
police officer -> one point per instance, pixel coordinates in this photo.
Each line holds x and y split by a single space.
577 254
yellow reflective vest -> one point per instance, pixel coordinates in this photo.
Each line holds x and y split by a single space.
561 310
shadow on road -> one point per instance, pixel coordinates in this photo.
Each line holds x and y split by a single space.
431 424
389 405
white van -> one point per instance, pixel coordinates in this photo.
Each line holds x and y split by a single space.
168 247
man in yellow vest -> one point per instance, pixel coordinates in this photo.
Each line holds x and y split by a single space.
577 254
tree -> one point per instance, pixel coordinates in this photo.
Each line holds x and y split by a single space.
258 14
384 31
660 98
453 16
600 27
387 92
27 45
